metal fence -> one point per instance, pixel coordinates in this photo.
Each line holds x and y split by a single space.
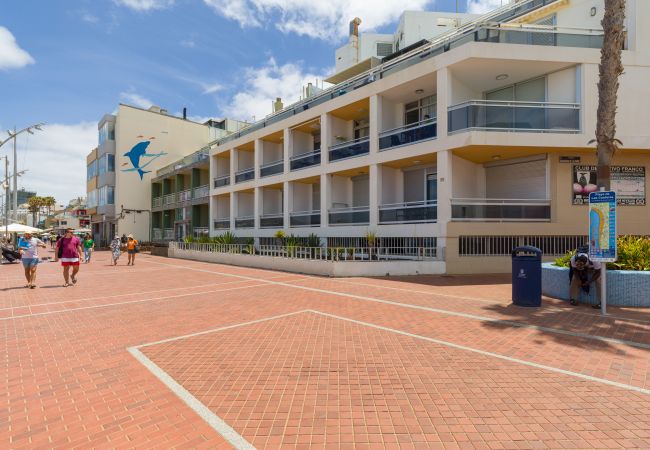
503 245
360 254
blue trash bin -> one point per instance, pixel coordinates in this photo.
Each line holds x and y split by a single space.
527 276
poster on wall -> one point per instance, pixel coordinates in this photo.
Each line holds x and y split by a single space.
627 181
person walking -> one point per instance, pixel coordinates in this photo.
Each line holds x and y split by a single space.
116 249
69 252
131 249
29 251
89 247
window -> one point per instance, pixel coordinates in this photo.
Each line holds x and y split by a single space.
110 163
420 110
106 195
361 128
527 91
106 164
91 170
91 201
101 167
384 49
106 133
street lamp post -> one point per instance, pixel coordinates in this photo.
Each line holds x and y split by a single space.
30 129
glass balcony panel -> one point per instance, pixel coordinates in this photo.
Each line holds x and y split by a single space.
222 224
410 212
305 160
245 222
359 215
201 191
156 202
501 210
157 234
515 116
272 221
168 234
305 219
222 181
350 149
245 175
410 134
273 168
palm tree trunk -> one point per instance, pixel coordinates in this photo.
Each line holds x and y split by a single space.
610 69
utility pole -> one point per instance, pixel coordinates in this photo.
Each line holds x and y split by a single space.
5 186
15 188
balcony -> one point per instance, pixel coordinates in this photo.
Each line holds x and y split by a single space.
350 149
273 168
168 234
201 232
185 196
305 219
223 180
409 212
156 202
245 175
409 134
169 199
305 160
222 224
272 221
543 117
500 210
358 215
157 234
245 222
201 191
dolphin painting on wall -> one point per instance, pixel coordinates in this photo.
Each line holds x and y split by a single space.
136 155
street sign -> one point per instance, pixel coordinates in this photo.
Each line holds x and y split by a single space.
602 226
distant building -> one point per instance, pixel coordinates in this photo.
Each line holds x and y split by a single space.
24 196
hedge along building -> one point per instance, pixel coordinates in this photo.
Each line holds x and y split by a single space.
133 144
472 143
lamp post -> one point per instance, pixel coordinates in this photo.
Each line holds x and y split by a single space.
12 135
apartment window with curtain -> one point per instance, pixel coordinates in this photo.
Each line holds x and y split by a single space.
420 110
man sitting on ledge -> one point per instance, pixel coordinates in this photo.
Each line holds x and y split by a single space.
583 273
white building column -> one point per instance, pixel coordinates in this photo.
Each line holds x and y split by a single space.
233 166
445 193
257 157
443 100
233 210
374 120
257 206
287 149
325 198
374 187
287 204
325 138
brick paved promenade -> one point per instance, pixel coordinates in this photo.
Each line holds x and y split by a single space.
181 354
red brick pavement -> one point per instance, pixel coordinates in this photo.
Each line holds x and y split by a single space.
311 380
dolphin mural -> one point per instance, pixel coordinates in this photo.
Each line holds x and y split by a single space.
136 154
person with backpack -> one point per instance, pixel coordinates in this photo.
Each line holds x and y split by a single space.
131 249
582 274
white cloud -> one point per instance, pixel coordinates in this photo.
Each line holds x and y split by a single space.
88 17
55 159
322 20
136 100
145 5
261 87
483 6
11 55
189 43
211 88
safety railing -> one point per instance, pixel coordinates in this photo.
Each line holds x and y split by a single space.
200 231
245 175
304 219
156 202
168 234
305 160
185 196
358 215
222 224
223 180
201 191
169 199
245 222
408 212
157 234
409 134
350 149
272 221
272 168
536 117
500 210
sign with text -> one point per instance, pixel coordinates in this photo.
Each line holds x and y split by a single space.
627 181
602 226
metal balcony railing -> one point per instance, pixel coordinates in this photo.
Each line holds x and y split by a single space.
537 117
409 212
409 134
273 168
272 221
168 234
201 191
305 160
245 175
350 149
222 224
245 222
185 196
156 202
157 234
357 215
169 199
500 210
223 180
304 219
200 231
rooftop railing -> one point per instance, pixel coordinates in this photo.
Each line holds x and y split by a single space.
536 117
200 155
500 210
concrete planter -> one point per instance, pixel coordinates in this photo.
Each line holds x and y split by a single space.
624 287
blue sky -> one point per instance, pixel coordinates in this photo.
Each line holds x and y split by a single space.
67 62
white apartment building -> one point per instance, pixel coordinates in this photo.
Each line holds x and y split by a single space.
469 145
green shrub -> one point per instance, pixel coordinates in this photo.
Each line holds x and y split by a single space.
204 239
227 238
279 234
633 254
188 239
313 240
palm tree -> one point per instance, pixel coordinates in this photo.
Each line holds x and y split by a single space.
610 69
49 202
35 205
